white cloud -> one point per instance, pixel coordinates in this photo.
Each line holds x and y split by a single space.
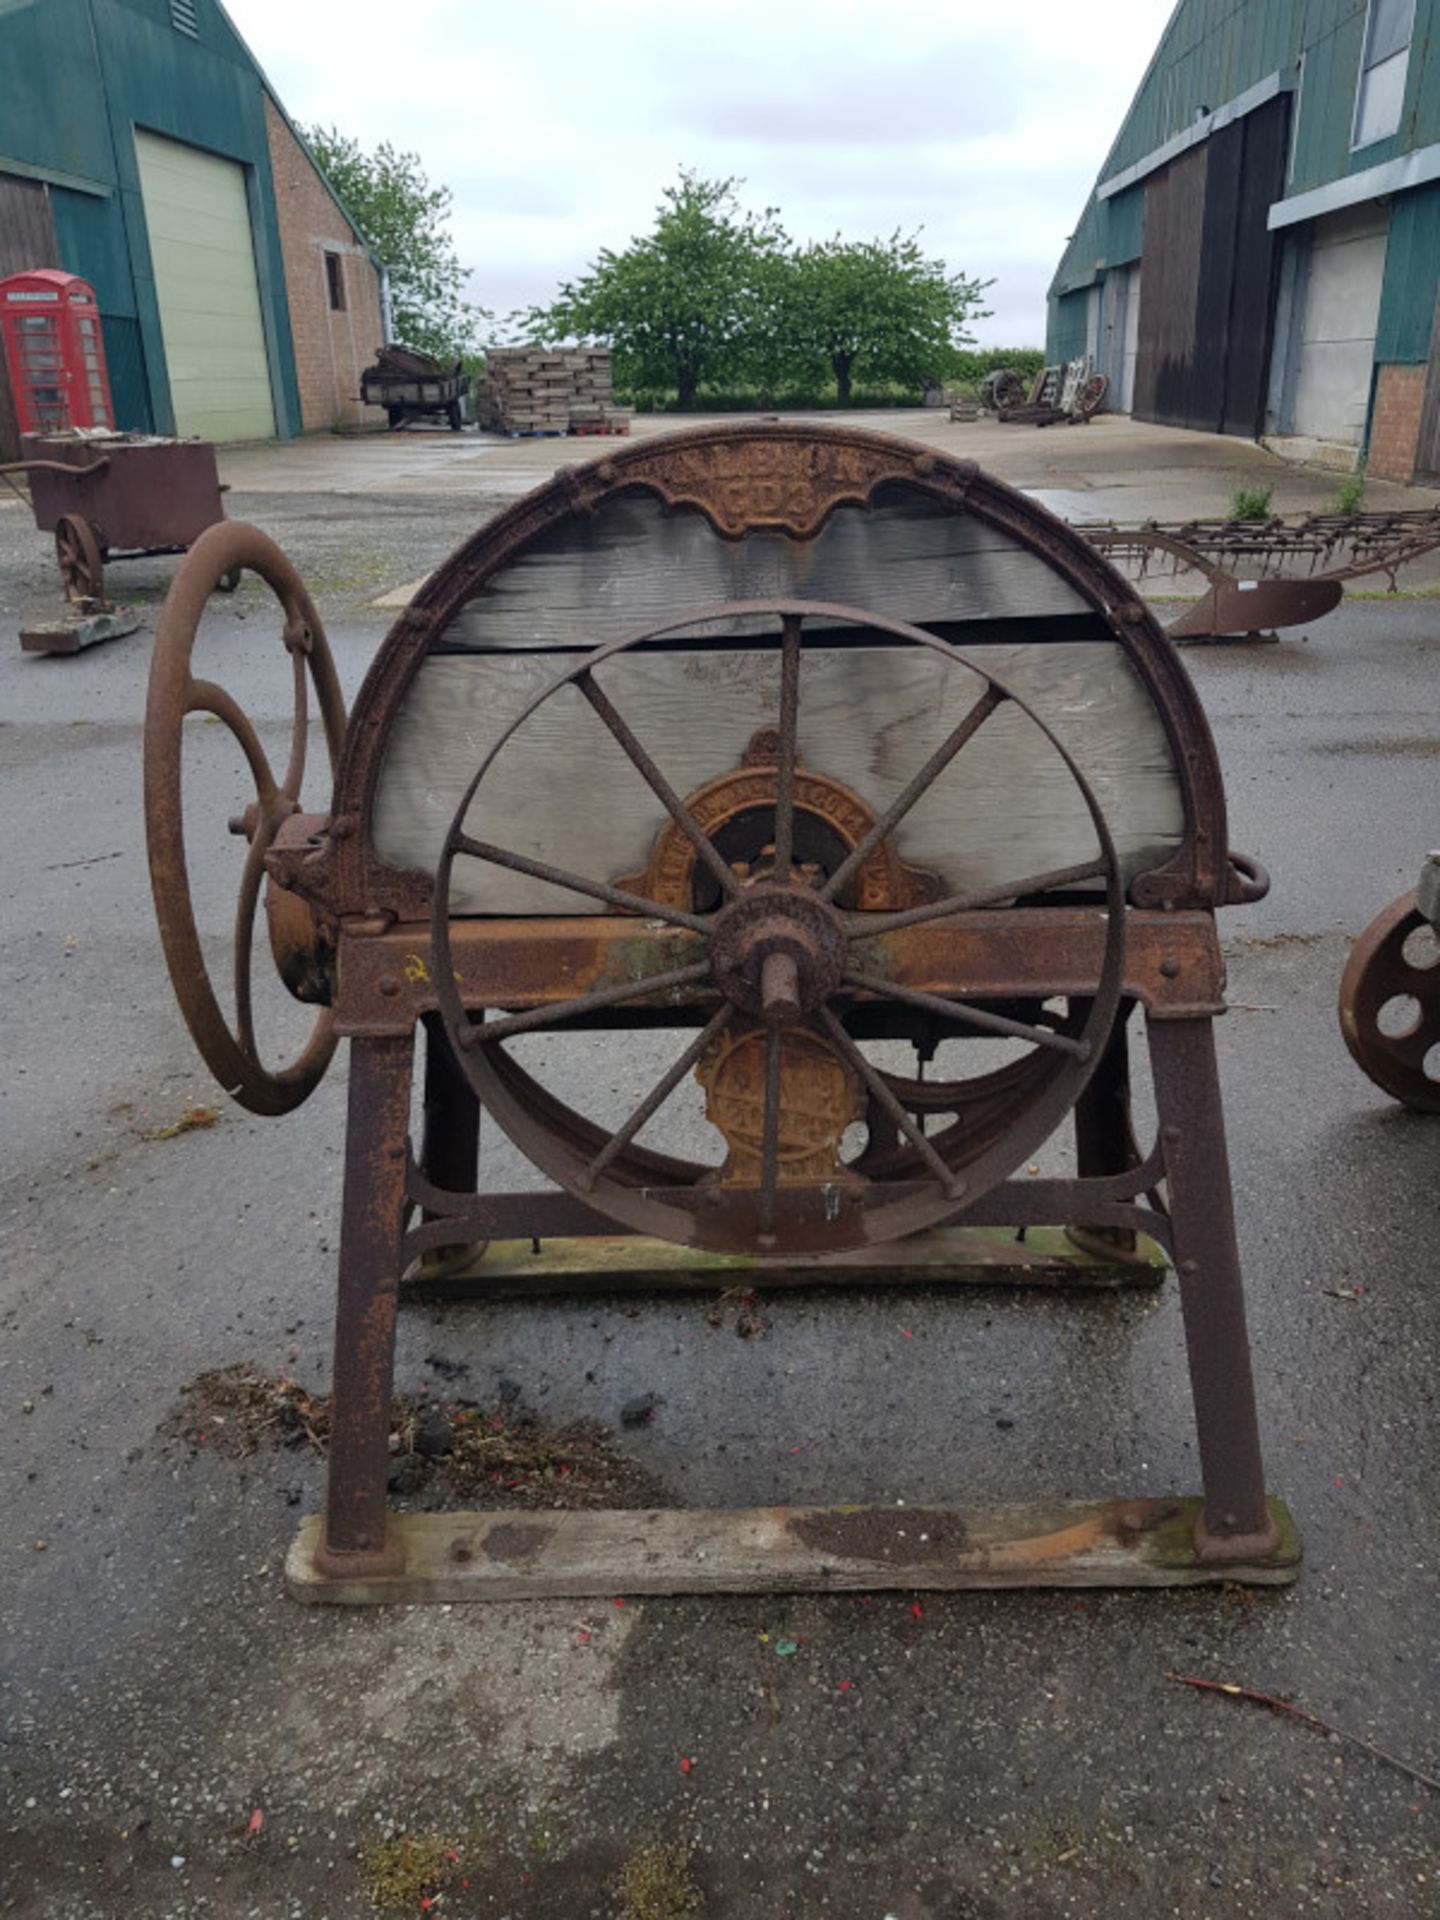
556 129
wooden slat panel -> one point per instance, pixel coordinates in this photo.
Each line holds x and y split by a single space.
563 791
596 579
624 1263
518 1556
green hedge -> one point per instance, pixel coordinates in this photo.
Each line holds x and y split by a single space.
966 373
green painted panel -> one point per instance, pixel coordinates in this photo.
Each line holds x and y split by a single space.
1065 337
59 124
1124 226
1412 277
91 236
129 389
1421 125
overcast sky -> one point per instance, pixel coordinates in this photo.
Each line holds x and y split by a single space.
556 125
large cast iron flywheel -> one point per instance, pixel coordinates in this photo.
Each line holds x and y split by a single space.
774 973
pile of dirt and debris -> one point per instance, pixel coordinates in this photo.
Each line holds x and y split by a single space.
443 1453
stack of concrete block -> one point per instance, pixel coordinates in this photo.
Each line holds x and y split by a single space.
537 390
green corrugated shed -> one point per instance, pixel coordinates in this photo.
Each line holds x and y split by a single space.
76 79
1066 337
1214 50
1412 277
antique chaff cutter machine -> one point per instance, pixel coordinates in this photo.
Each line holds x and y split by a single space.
774 764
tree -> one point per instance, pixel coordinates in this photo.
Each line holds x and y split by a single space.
405 222
878 310
681 306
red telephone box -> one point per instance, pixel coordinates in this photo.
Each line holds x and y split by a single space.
54 351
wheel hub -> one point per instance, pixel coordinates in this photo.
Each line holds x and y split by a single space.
778 953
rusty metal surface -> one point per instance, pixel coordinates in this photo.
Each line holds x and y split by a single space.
1271 573
232 1054
1256 606
150 494
77 554
1173 963
1207 1264
768 974
372 1216
1390 1004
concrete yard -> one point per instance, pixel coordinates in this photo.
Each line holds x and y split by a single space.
1008 1756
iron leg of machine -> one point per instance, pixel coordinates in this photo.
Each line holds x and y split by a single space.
355 1542
1105 1141
449 1138
1236 1522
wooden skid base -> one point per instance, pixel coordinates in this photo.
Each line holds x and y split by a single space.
80 630
973 1256
532 1556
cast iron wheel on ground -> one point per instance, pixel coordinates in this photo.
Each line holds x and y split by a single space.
81 562
232 1055
784 958
1390 1005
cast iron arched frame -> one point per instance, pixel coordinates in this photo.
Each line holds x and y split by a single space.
747 479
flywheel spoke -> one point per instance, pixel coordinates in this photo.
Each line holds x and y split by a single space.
924 779
205 697
972 1016
656 1097
659 785
300 730
952 1182
577 883
537 1017
785 762
861 925
250 879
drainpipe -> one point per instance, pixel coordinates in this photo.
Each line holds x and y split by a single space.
387 322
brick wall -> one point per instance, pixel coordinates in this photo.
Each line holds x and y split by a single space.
332 344
1395 428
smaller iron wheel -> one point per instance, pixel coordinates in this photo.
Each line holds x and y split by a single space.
1390 1005
82 565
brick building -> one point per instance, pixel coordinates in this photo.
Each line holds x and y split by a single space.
142 148
1261 252
331 284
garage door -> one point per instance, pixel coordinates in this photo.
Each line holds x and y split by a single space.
198 219
1120 334
1342 309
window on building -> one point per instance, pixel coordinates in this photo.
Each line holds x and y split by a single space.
1386 55
335 281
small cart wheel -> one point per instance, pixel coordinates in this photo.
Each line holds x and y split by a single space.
229 580
82 568
1390 1005
1090 398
